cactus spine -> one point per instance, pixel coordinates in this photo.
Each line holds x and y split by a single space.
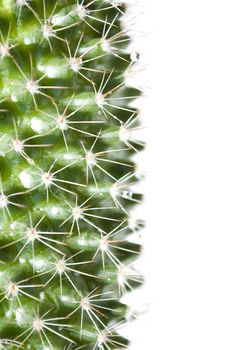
66 174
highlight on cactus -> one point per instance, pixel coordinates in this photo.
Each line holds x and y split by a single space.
68 178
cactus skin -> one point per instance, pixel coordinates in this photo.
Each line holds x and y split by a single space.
66 147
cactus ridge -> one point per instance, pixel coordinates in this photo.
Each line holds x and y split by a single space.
67 174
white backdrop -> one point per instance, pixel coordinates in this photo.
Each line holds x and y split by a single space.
189 240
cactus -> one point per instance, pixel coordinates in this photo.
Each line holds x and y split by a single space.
66 174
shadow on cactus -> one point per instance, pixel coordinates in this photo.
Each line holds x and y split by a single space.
67 175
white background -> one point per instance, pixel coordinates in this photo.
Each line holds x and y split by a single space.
189 240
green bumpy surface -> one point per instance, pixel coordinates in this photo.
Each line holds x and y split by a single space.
66 174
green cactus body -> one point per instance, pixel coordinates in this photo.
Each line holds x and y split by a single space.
66 174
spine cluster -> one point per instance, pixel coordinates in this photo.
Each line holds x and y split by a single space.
67 174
